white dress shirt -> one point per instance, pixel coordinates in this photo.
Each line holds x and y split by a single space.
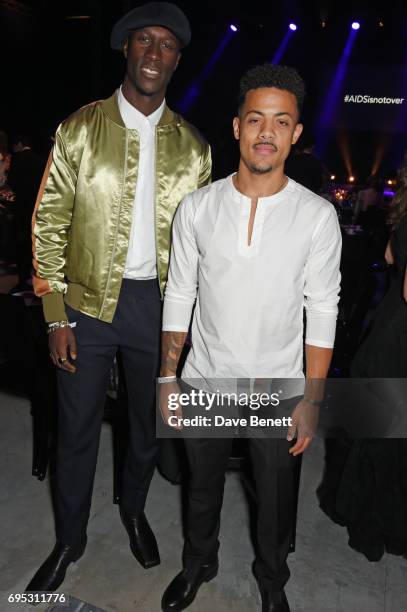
248 319
141 262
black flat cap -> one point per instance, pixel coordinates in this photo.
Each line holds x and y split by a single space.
164 14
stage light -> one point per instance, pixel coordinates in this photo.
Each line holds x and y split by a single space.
381 24
333 177
355 25
390 182
331 99
194 90
351 179
281 49
323 24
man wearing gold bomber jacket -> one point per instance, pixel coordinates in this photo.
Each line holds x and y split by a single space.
117 172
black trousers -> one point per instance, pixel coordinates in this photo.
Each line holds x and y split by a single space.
135 330
273 469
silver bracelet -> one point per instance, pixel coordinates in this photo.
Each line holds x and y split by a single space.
166 379
59 325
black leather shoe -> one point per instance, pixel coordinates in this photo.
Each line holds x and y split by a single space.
274 601
52 572
142 539
183 589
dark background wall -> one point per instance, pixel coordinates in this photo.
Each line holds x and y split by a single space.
52 64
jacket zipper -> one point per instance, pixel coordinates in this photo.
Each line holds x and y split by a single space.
118 220
155 214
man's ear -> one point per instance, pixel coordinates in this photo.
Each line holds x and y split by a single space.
178 59
297 132
236 127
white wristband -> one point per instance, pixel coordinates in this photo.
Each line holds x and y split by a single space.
165 379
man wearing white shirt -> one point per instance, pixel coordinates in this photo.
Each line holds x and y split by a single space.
141 261
116 175
252 249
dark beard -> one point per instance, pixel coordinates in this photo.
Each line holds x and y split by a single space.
257 170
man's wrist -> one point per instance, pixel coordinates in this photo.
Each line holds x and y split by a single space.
51 327
167 370
166 379
311 401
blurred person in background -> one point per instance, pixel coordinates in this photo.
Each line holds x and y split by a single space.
365 484
24 178
304 167
369 196
4 158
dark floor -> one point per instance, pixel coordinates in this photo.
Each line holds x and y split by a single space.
327 576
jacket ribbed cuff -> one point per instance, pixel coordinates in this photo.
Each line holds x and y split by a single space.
54 307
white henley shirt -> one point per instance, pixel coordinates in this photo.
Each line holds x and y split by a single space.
248 319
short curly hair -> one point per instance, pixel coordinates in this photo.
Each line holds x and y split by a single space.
272 75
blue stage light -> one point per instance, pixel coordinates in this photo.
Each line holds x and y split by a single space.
191 94
329 107
355 25
292 27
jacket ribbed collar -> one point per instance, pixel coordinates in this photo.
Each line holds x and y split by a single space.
111 108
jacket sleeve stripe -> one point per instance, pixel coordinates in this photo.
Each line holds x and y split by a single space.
41 285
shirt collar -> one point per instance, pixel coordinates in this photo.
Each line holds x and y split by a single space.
239 197
133 118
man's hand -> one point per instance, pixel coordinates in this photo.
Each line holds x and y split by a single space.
164 391
304 425
62 348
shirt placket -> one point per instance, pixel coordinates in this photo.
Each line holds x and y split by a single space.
252 249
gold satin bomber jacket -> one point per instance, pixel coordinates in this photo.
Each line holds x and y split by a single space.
83 215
